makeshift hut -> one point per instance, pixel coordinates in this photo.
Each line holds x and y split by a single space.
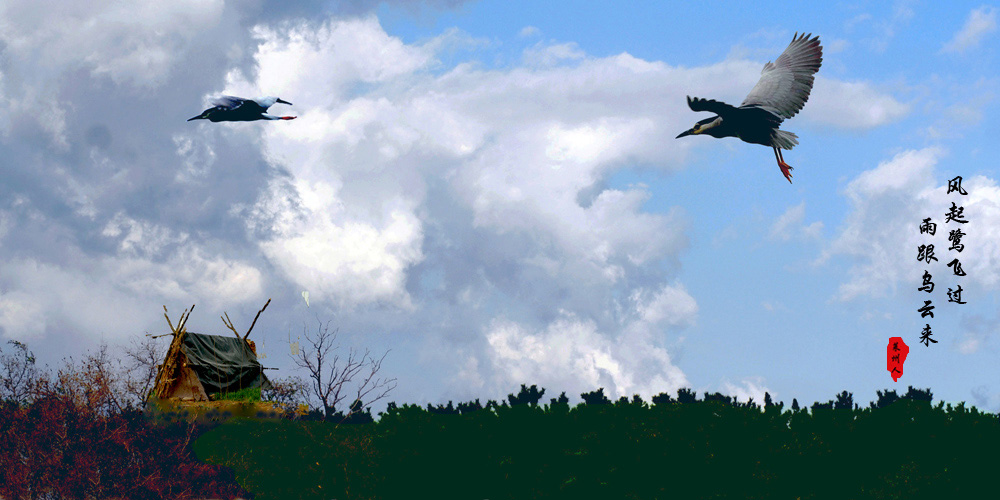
199 365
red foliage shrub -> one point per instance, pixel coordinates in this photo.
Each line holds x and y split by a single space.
77 437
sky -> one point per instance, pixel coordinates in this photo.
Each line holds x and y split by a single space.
492 192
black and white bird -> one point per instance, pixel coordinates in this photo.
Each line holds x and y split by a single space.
237 109
781 92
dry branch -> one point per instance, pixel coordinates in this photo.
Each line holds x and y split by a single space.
184 319
255 318
172 330
229 324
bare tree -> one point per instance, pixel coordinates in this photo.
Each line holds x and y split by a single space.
333 378
141 359
18 373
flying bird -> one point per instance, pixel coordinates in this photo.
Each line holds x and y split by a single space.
237 109
780 93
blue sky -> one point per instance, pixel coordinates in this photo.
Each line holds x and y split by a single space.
493 191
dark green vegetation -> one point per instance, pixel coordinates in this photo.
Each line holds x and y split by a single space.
899 447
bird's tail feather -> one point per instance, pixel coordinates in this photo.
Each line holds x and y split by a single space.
784 139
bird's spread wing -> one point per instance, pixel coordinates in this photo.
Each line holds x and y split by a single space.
229 102
785 84
717 107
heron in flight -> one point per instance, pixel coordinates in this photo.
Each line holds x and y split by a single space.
780 93
237 109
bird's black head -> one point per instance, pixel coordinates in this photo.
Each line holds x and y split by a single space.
702 127
207 114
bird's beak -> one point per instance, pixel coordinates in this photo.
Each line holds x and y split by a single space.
685 133
282 101
195 118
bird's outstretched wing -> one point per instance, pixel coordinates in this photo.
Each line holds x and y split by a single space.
717 107
229 102
785 84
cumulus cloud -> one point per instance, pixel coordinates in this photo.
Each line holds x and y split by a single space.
852 105
571 354
790 224
461 177
548 54
981 23
134 43
43 296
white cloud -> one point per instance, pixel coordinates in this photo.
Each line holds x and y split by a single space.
969 344
851 105
670 306
521 169
137 42
750 387
790 224
980 23
888 25
884 207
572 355
140 237
528 31
21 316
549 54
792 217
319 64
198 157
115 297
351 262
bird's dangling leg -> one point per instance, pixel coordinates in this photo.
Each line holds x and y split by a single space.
786 169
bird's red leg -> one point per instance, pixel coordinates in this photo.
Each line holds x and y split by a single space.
786 169
287 117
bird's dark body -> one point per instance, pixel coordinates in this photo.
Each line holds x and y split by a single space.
237 109
246 112
749 124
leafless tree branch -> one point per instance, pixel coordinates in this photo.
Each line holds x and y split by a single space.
331 379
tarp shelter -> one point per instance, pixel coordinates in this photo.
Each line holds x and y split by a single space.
210 364
223 364
198 365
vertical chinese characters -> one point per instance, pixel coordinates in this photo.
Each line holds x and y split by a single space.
955 237
925 254
954 216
